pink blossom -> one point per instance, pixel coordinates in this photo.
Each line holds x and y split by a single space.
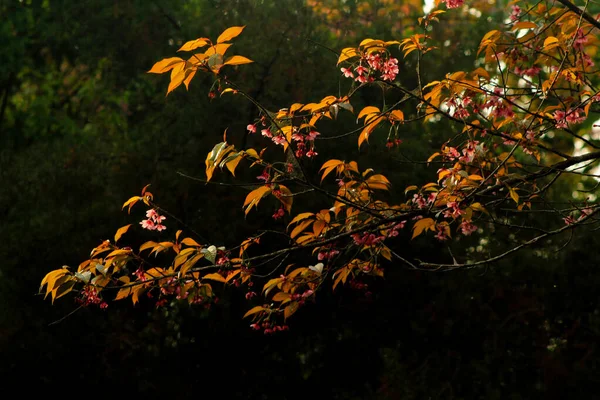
390 69
311 153
419 201
360 70
453 3
467 227
264 176
279 213
362 79
559 117
516 13
573 117
569 220
441 234
266 133
580 40
347 73
251 128
312 135
374 60
297 137
279 139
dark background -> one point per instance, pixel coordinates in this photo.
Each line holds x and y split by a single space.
83 128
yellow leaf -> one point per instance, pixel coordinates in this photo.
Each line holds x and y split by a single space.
122 293
410 188
290 310
300 227
524 25
513 194
396 115
254 197
166 65
237 60
421 225
550 43
120 232
271 284
147 245
300 217
177 77
366 132
214 277
189 75
367 110
347 53
378 181
217 49
131 202
254 310
230 33
281 296
287 198
190 242
189 264
194 44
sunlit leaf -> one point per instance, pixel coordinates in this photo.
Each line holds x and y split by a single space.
230 33
120 232
237 60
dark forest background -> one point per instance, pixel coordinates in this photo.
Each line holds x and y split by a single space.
83 128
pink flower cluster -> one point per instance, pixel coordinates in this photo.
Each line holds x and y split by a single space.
367 239
89 295
516 13
375 62
453 3
531 71
580 40
153 221
571 117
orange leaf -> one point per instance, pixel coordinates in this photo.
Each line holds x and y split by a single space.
287 198
120 232
131 202
215 277
237 60
230 33
347 53
367 110
254 310
194 44
166 65
290 310
421 225
254 197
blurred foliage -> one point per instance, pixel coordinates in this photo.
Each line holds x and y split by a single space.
82 128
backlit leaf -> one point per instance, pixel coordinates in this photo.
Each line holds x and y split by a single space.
237 60
166 65
422 225
120 232
230 33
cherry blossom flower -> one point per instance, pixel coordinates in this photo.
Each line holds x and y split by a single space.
279 213
312 135
360 70
279 139
467 227
251 128
153 221
453 3
311 153
347 73
516 13
266 133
